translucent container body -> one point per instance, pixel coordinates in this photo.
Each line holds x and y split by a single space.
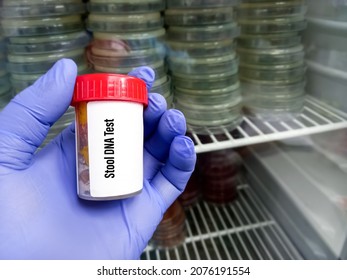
109 135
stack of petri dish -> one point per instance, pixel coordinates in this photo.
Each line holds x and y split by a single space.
272 67
203 63
220 175
128 34
5 86
171 231
38 33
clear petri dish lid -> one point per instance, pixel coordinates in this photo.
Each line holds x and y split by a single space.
60 43
267 9
266 41
274 67
271 57
114 59
49 9
193 17
200 49
37 58
203 33
6 3
273 25
124 23
158 52
162 86
41 26
211 92
183 4
206 65
125 6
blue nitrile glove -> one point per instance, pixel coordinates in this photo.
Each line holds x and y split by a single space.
41 216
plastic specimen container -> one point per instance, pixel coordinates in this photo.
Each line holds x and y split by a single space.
125 6
109 135
124 23
194 17
203 33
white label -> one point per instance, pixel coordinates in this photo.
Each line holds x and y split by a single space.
115 140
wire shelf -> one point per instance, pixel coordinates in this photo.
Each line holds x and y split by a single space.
241 230
317 117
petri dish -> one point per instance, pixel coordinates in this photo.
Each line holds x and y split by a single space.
286 76
125 6
124 23
206 65
266 41
197 17
207 81
114 59
20 81
8 3
271 9
201 3
39 58
272 91
273 25
209 93
129 41
291 55
41 26
200 49
203 33
54 43
158 67
162 87
203 99
37 10
214 117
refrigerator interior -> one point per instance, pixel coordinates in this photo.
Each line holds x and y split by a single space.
291 168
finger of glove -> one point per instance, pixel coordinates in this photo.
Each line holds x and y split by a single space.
28 117
157 147
144 73
152 114
172 178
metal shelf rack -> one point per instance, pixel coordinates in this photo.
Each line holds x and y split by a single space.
316 117
241 230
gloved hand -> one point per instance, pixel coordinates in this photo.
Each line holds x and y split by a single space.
41 216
